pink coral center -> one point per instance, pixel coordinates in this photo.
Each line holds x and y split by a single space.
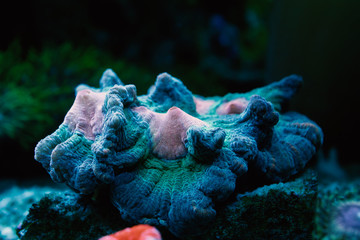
86 115
203 106
235 106
168 131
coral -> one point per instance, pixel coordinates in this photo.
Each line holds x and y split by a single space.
338 210
167 164
138 232
347 218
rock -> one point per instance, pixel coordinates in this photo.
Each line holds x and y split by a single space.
67 215
15 202
278 211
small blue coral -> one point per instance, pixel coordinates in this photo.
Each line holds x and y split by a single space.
168 163
346 219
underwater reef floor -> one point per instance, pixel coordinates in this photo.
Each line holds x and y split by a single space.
16 197
303 208
277 211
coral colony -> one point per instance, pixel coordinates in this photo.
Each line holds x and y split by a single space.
171 156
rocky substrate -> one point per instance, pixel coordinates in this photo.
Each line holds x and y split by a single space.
277 211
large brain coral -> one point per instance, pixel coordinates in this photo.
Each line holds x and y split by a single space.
170 156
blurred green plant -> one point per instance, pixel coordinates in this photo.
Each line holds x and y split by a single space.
37 86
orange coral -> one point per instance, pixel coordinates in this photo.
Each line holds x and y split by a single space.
138 232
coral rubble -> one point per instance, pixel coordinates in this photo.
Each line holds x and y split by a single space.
169 156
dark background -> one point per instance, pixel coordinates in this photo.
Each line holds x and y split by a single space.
48 47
